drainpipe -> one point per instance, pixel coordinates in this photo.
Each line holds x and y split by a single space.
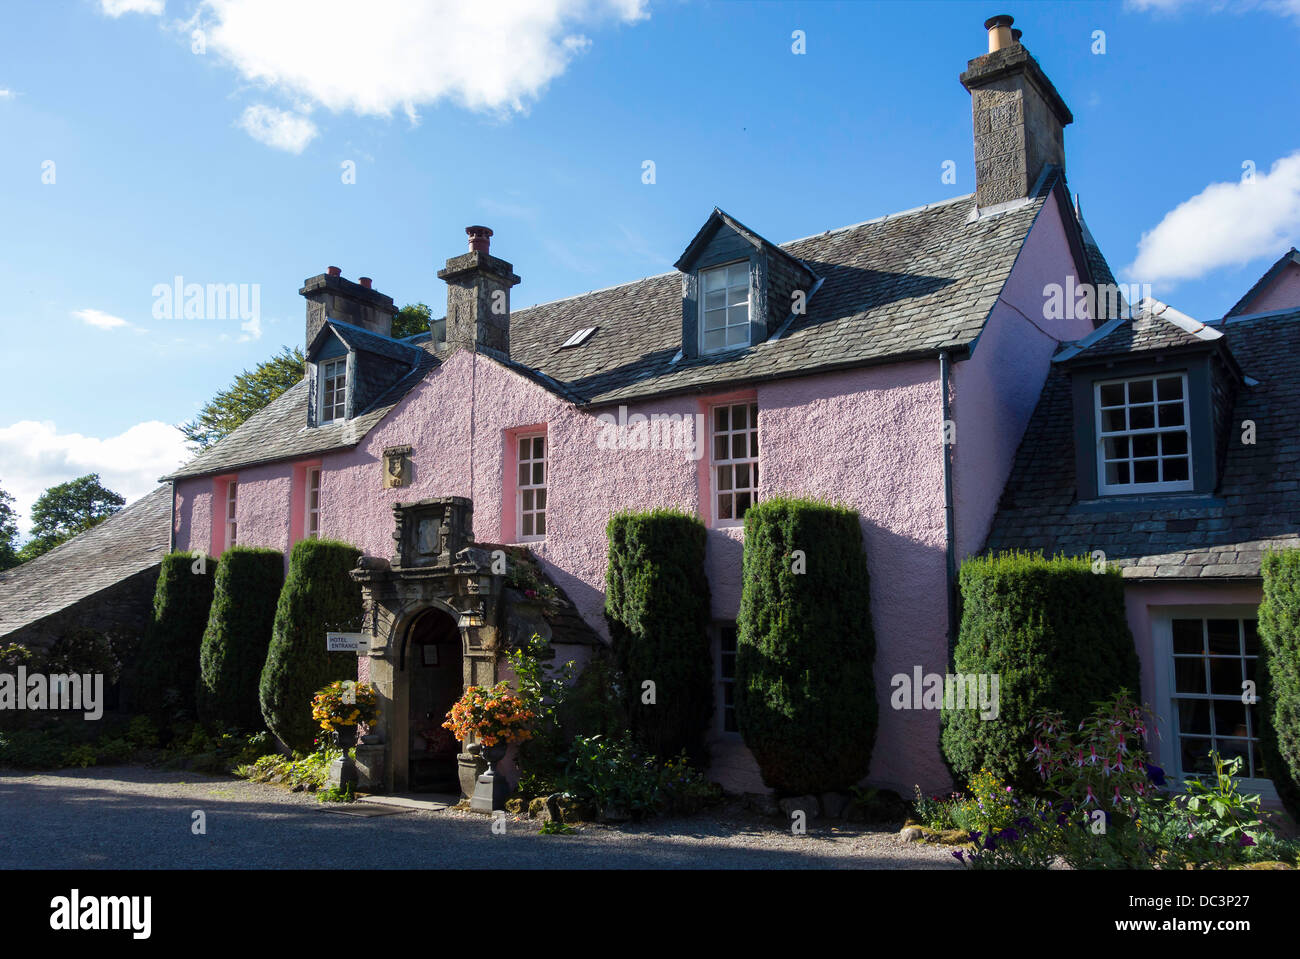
171 530
949 521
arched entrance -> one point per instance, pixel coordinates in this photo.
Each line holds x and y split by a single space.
431 662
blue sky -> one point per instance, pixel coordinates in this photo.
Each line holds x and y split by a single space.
222 161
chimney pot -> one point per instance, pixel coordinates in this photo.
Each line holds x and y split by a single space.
365 281
999 29
480 238
1016 35
334 271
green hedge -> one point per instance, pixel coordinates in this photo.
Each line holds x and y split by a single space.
318 596
1056 635
657 607
805 690
1279 675
247 592
169 655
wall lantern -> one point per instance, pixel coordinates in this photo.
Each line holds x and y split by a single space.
470 618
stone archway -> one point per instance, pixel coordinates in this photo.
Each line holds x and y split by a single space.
429 680
437 572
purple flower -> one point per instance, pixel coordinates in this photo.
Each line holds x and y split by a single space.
1155 774
1246 840
960 856
1009 835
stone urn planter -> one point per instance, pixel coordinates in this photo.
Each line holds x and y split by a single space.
343 771
469 766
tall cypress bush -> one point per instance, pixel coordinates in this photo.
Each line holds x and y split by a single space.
235 643
805 689
1278 713
657 607
1055 634
169 655
318 596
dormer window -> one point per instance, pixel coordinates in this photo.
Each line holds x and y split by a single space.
1143 438
724 307
333 390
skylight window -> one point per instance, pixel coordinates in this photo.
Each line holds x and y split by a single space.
578 338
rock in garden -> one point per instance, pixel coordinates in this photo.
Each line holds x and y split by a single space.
762 803
537 809
912 833
808 804
834 804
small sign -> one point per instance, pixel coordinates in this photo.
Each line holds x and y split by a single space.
347 642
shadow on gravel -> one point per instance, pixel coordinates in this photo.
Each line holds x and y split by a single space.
81 819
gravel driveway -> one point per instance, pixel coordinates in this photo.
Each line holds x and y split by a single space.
136 818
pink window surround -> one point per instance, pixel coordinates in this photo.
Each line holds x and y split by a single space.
298 500
706 473
220 512
511 530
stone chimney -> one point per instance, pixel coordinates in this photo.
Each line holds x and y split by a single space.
478 296
1019 117
330 296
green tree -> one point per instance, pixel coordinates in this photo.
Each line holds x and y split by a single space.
249 393
67 509
805 651
318 595
8 532
657 607
173 638
1056 636
411 319
246 593
1278 715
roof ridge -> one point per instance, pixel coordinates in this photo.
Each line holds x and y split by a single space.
782 246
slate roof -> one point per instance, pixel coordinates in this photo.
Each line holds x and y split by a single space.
901 286
898 287
128 542
280 431
358 338
1186 536
1156 327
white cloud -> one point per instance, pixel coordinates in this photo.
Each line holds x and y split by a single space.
252 329
1286 8
100 319
6 94
1225 224
35 456
115 8
278 128
397 55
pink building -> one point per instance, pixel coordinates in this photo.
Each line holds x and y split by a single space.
892 365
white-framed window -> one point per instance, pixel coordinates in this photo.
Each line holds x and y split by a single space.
311 521
530 492
333 390
1143 439
1206 660
735 461
726 707
232 528
724 307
